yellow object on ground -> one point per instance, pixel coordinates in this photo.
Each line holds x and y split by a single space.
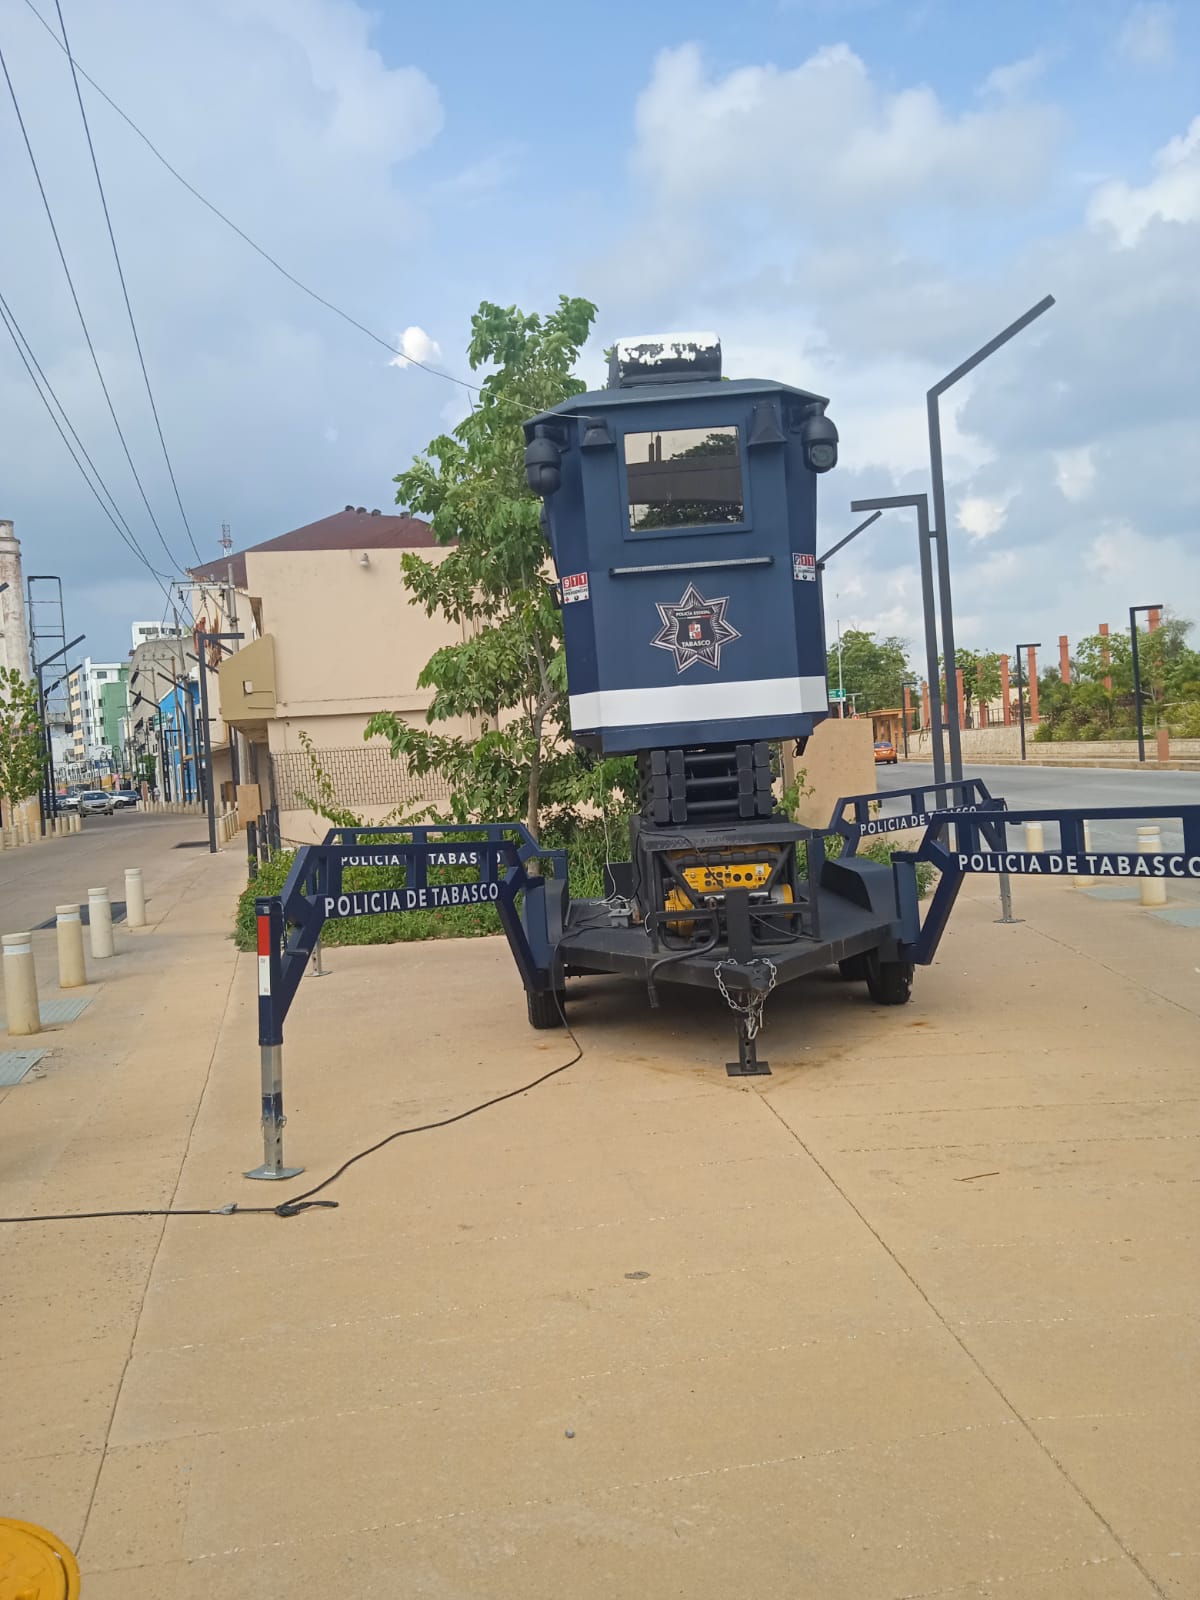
34 1565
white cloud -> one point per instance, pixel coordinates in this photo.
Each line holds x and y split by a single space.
1147 35
1075 472
850 142
1172 195
1007 82
979 516
416 345
307 152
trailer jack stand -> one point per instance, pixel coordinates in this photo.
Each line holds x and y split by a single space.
747 1064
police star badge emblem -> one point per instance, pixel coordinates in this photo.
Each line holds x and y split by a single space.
694 630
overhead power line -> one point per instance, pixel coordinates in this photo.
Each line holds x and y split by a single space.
388 344
47 395
112 239
78 308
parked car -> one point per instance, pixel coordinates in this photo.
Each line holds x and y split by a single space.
66 802
885 753
96 803
124 799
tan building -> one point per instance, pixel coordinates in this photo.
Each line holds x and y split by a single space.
331 638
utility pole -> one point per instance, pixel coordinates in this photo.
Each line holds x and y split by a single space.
234 762
203 640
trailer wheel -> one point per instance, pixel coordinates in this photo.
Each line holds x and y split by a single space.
889 983
546 1007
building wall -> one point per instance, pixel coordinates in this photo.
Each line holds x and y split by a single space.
114 705
14 627
347 644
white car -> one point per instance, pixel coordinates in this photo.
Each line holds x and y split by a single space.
96 803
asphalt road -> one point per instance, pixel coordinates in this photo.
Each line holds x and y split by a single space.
1059 786
36 878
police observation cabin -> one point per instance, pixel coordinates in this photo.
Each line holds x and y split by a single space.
681 513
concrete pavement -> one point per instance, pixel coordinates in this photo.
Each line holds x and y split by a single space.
35 878
915 1316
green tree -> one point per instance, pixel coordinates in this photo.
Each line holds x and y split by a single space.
22 738
1098 703
981 676
509 672
872 669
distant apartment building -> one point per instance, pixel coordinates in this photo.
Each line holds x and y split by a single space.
330 638
95 749
143 632
157 667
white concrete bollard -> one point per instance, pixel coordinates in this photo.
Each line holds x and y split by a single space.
20 985
1081 880
1153 891
72 973
135 898
1035 837
100 929
26 837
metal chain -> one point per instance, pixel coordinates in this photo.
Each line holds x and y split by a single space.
756 999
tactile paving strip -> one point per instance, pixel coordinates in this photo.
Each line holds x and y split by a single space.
60 1010
14 1064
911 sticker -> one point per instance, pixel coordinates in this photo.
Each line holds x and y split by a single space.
804 568
574 587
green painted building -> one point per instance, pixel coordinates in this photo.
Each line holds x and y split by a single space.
114 708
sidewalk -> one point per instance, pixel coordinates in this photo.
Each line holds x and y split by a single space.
914 1316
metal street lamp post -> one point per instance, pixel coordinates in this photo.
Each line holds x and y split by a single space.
47 794
1036 645
939 513
1137 676
920 503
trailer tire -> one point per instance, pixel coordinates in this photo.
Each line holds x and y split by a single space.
889 983
546 1007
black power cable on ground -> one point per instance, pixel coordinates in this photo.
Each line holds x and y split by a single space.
305 1201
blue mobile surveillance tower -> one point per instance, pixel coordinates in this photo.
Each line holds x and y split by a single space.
681 513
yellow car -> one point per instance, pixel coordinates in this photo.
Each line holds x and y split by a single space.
885 753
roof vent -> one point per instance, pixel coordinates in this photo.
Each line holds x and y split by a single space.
362 510
348 508
375 513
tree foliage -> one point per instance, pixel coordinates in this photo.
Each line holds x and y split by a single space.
1098 703
508 674
872 669
981 676
22 738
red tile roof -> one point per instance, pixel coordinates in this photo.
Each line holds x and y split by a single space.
345 530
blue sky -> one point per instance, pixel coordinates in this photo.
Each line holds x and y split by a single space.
854 193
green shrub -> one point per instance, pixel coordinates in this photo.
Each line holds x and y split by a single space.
454 922
586 843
